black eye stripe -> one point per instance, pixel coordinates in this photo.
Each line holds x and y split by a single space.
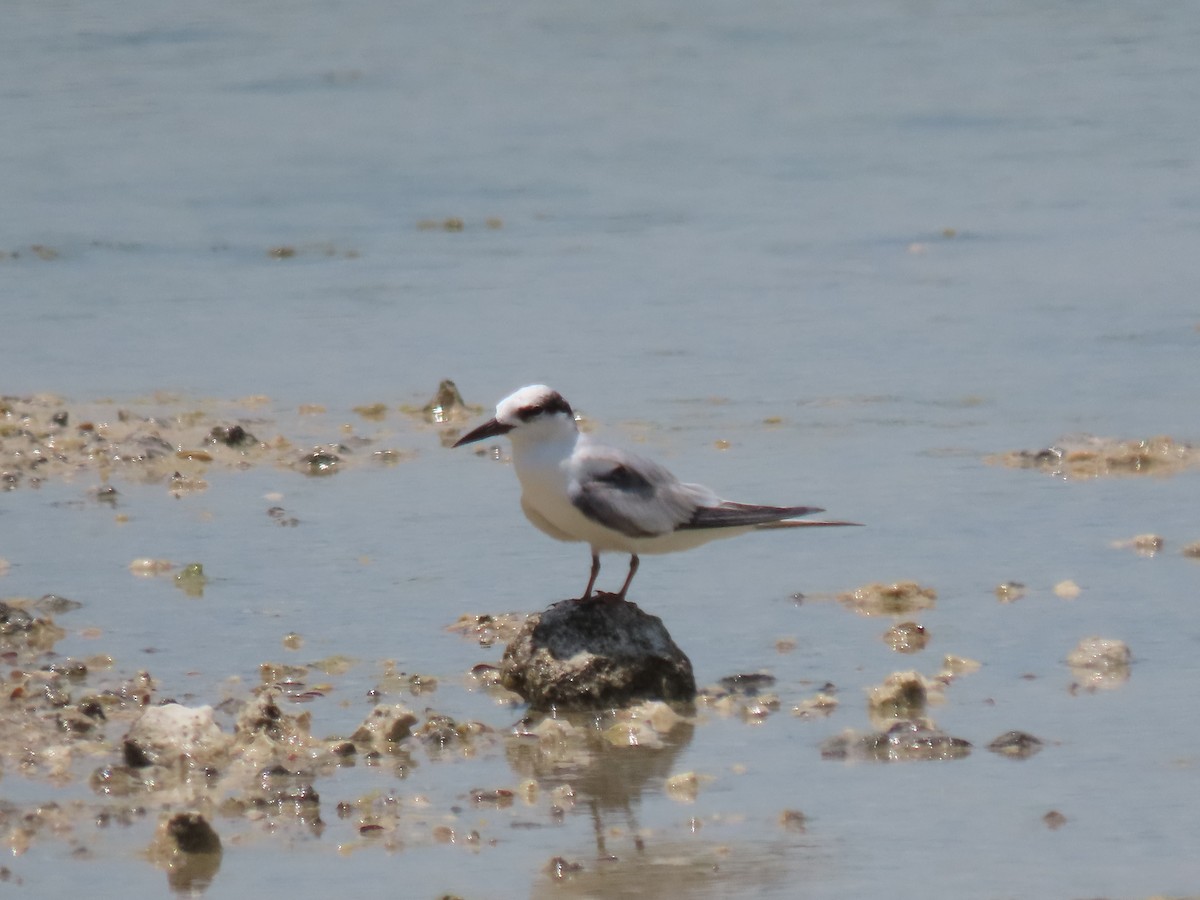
554 403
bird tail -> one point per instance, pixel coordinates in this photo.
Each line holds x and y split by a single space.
803 523
733 515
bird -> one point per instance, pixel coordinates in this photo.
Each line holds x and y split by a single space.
574 488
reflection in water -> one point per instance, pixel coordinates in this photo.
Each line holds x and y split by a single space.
188 848
607 762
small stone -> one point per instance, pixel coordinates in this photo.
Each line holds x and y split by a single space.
1100 663
1054 820
901 696
561 869
192 834
1067 590
188 848
684 787
906 637
386 725
1010 591
1100 653
1147 545
293 641
319 462
1016 745
172 734
897 599
52 604
447 406
147 567
905 740
192 580
818 707
954 666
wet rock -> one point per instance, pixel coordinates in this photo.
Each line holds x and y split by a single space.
14 620
1099 653
279 514
145 567
1054 820
171 734
1100 663
684 787
440 732
1192 550
263 716
901 598
643 725
956 666
1010 591
906 740
53 604
385 726
1086 456
1067 590
903 695
118 781
906 637
742 695
1016 745
320 461
820 706
191 580
488 628
448 406
232 436
595 653
188 848
25 632
191 833
1148 545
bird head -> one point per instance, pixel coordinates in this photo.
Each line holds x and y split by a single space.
535 413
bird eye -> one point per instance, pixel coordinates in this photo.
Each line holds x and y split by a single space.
552 404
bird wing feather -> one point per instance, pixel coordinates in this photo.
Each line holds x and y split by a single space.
633 495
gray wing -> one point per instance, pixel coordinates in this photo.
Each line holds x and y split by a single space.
634 495
728 514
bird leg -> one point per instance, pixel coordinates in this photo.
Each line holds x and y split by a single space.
633 567
587 592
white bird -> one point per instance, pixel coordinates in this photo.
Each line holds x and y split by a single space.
575 489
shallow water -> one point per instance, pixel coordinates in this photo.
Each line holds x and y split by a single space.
866 246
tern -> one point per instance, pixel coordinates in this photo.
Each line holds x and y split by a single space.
576 489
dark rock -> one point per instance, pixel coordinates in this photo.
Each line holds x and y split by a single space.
319 462
447 405
192 834
1016 745
596 653
14 620
905 740
231 436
